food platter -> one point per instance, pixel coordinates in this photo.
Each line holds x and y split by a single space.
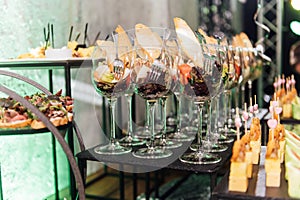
28 130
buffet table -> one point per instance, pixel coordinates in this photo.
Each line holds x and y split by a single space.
128 162
257 188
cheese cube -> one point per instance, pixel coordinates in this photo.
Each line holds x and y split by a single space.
238 184
273 179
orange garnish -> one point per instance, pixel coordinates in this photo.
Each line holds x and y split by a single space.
185 70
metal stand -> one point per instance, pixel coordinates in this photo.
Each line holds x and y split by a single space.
50 126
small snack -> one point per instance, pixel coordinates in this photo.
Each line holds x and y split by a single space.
188 42
38 52
248 154
148 41
255 139
279 134
272 164
58 109
13 114
238 180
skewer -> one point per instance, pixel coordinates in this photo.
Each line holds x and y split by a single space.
52 35
85 33
251 107
96 38
70 34
77 37
237 123
246 118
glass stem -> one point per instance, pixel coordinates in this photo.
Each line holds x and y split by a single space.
227 106
147 123
217 112
129 103
249 89
112 104
209 127
164 116
242 95
151 105
199 133
178 114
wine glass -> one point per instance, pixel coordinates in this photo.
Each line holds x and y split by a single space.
152 80
179 67
217 53
200 82
171 141
212 56
110 78
125 38
231 78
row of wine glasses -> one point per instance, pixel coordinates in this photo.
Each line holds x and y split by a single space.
156 67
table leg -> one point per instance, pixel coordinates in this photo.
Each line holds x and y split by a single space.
122 190
156 184
55 167
68 80
50 74
70 140
134 180
213 181
147 189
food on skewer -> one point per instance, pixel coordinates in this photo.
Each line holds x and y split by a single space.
248 154
239 165
272 164
255 139
238 180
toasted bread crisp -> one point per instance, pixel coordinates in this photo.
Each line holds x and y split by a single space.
150 43
124 41
188 41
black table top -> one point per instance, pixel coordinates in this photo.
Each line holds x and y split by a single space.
256 189
130 163
28 130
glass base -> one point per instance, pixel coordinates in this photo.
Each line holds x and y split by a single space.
215 148
223 139
200 158
152 153
190 130
228 131
130 141
171 121
181 137
168 144
145 134
112 149
209 147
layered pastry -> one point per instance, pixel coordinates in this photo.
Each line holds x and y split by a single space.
279 135
255 139
238 180
248 154
272 164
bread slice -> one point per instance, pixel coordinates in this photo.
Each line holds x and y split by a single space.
245 40
149 41
188 42
110 48
15 124
123 41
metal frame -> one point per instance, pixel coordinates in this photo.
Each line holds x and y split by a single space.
69 153
273 44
